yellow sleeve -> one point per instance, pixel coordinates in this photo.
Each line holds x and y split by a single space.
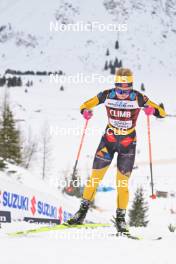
96 100
90 103
160 112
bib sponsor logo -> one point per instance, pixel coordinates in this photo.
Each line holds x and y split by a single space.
121 104
117 113
120 124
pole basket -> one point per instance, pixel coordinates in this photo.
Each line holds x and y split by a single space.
153 196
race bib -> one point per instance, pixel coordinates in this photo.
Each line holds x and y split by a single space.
121 124
121 104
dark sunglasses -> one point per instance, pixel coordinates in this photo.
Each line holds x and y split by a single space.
121 91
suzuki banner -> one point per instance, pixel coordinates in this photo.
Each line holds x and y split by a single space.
24 202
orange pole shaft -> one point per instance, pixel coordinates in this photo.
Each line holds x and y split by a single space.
82 140
80 147
150 152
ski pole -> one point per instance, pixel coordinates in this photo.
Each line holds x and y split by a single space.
80 147
153 196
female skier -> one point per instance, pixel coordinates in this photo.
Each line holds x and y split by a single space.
123 105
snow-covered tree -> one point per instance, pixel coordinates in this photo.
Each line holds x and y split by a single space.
10 141
142 87
116 44
137 213
107 52
106 66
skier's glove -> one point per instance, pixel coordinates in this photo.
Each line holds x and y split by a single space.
87 114
149 110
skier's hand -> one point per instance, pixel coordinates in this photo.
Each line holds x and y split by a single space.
87 114
149 110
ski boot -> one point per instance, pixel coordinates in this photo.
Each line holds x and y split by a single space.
80 215
120 223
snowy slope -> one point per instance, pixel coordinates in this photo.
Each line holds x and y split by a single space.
148 47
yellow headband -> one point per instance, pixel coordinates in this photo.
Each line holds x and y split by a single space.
123 79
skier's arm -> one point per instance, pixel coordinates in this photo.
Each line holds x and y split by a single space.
89 104
159 111
96 100
144 101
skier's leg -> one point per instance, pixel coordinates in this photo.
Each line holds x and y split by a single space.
93 182
125 162
102 160
122 190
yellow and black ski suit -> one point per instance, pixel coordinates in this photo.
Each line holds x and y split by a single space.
120 137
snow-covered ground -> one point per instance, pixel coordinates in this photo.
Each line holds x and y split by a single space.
92 245
148 47
87 246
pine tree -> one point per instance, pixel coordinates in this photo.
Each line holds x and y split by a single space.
62 88
116 44
2 164
120 64
107 52
116 63
142 87
112 70
10 145
19 82
2 81
106 66
110 64
137 213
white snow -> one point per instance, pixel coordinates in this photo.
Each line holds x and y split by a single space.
152 58
78 246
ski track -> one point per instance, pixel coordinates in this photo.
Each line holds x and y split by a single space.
85 246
